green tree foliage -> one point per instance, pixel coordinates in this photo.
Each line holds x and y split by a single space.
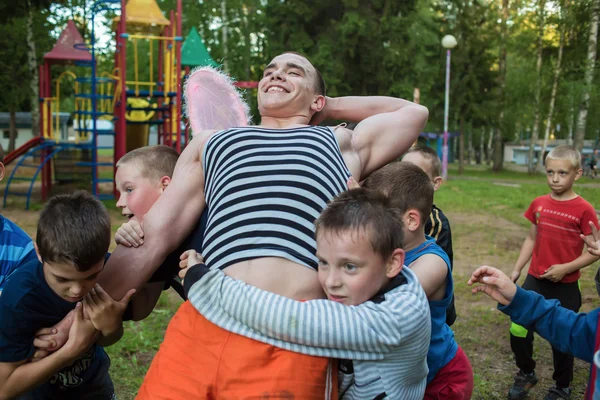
384 47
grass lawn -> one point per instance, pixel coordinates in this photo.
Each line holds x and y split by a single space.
485 211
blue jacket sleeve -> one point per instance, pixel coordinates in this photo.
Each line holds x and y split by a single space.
568 331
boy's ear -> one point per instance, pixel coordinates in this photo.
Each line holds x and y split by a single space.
395 263
37 251
412 219
164 182
578 174
2 170
437 182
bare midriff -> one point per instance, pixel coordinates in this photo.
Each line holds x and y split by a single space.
279 276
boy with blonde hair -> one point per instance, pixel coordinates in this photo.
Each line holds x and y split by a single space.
142 176
376 318
437 225
411 194
555 249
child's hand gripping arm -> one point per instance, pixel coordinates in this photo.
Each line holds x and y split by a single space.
130 234
318 327
525 254
106 314
566 330
17 378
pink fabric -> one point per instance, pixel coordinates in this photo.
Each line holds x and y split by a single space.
213 102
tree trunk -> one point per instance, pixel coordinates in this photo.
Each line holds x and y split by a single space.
553 95
470 146
498 150
589 76
538 92
461 146
571 125
12 128
224 34
33 70
481 140
489 147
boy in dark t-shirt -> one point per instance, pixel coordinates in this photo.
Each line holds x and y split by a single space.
72 239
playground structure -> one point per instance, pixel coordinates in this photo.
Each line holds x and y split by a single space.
117 105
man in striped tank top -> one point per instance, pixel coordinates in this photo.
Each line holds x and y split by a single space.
264 187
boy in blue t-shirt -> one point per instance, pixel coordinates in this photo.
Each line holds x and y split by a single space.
411 193
72 240
16 247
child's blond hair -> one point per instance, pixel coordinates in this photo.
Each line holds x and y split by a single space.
565 152
153 161
430 155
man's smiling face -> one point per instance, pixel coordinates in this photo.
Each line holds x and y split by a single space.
287 88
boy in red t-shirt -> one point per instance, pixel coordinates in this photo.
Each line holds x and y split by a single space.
555 249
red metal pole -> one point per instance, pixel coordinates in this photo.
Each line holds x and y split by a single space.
159 101
42 85
47 169
178 99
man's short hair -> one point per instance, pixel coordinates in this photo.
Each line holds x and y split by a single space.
319 83
1 153
430 155
407 186
565 152
153 161
73 229
368 211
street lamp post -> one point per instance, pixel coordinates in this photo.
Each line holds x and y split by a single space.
448 42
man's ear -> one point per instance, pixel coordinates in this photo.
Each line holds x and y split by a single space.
37 251
437 182
395 263
412 220
164 182
318 103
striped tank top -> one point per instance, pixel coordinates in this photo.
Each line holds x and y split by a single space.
264 189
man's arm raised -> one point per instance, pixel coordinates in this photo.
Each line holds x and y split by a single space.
166 225
387 127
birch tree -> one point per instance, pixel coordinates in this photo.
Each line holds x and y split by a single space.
589 76
538 89
557 69
498 143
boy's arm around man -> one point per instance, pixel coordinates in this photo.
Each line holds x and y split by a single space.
369 331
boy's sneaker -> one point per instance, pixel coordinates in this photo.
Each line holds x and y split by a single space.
556 393
523 382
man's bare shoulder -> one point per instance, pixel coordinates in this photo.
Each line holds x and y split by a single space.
345 139
193 150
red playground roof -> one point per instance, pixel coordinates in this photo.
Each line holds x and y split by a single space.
64 49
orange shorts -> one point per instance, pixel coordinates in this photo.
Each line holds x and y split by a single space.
199 360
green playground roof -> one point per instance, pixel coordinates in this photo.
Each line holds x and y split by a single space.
194 53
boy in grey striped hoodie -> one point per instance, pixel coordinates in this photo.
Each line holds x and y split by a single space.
376 319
